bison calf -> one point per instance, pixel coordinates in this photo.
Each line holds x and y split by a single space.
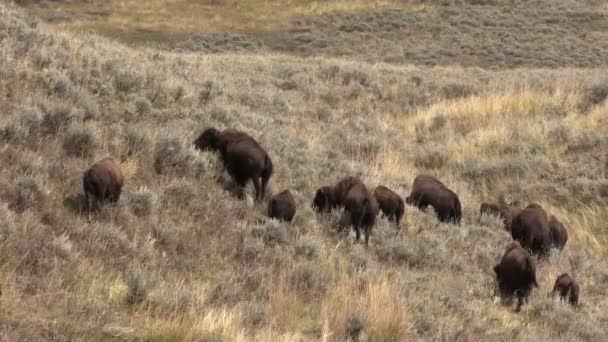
531 228
358 202
559 234
103 181
516 273
566 286
505 211
428 190
282 206
390 203
242 157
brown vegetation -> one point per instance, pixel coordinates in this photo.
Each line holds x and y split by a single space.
177 258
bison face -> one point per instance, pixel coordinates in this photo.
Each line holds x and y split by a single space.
323 200
208 140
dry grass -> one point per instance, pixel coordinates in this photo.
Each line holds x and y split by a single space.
492 34
179 258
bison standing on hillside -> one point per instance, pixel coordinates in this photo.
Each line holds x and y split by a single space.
242 157
428 190
566 286
516 273
390 203
282 206
358 202
559 234
103 182
531 228
505 211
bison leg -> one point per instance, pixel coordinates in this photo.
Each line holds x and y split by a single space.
256 185
520 301
367 229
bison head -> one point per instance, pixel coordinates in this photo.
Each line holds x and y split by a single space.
323 201
208 140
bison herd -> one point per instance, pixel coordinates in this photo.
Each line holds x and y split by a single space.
534 231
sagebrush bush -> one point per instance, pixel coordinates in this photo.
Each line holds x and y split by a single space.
142 202
178 257
139 284
80 142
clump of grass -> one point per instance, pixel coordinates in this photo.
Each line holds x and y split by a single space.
142 202
172 156
27 193
24 125
594 95
80 142
139 284
430 157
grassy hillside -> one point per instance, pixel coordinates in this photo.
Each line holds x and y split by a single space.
487 33
179 258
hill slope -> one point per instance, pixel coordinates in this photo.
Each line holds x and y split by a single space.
179 258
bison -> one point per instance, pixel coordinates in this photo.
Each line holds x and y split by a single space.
241 155
282 206
428 190
358 202
566 286
531 228
516 273
559 234
103 181
390 203
505 211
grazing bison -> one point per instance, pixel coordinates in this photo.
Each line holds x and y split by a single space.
516 273
242 157
566 286
428 190
353 195
559 234
505 211
103 181
531 228
282 206
390 203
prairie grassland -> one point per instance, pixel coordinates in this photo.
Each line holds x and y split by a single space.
493 34
179 258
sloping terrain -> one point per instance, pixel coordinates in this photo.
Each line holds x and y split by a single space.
179 258
494 34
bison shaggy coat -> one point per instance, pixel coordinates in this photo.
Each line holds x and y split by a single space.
531 229
559 234
516 273
566 287
241 155
390 203
428 190
505 211
358 202
103 181
282 206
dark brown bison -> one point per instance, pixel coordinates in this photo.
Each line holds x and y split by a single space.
505 211
390 203
103 181
516 273
559 234
566 286
358 202
242 157
282 206
531 228
428 190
